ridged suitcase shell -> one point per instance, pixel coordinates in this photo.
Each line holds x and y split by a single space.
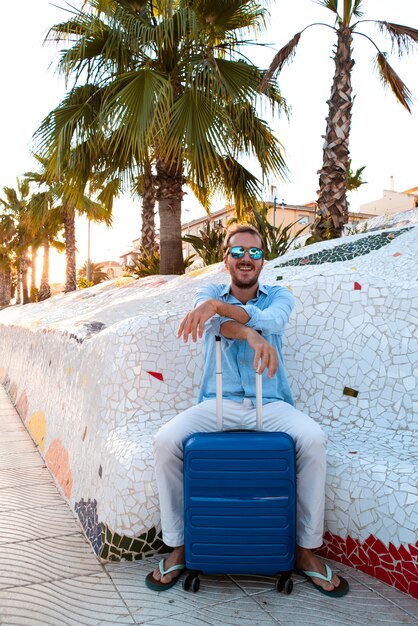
240 502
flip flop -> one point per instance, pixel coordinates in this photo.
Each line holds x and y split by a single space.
337 592
157 585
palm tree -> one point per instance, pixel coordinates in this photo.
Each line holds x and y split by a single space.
332 201
98 275
67 187
168 82
16 207
7 235
47 224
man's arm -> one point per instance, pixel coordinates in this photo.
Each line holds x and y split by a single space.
273 319
265 355
193 323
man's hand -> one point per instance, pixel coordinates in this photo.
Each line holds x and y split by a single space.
265 351
194 321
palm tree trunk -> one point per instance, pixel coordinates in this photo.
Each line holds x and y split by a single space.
70 250
332 198
148 214
24 274
2 288
33 288
18 282
5 286
170 195
44 289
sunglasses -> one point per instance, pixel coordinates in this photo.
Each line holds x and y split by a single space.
237 252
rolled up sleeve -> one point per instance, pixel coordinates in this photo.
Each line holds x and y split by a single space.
273 319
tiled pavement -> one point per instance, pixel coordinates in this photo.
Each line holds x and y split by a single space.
49 575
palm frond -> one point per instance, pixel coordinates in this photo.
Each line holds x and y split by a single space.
403 37
390 78
138 105
197 128
357 8
283 56
252 135
109 192
332 5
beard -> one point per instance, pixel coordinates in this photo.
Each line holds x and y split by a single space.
247 285
248 282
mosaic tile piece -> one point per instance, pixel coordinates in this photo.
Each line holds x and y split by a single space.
156 375
396 567
57 461
116 547
22 406
87 514
346 251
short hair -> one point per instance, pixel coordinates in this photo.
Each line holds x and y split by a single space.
242 228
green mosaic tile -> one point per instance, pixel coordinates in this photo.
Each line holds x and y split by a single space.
108 538
104 553
116 546
126 543
346 251
159 545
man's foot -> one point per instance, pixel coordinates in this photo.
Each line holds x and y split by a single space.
157 580
329 583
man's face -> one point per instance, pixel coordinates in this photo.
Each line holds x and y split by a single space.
244 272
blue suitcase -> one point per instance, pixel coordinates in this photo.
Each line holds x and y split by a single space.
239 501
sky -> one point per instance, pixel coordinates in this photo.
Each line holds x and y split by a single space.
384 136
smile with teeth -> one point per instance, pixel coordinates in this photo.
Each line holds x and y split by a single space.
245 268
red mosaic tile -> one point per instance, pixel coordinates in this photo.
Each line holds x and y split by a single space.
351 545
156 375
401 582
396 254
409 569
394 552
413 588
394 566
373 558
370 541
357 286
413 550
364 555
405 555
380 547
383 574
22 406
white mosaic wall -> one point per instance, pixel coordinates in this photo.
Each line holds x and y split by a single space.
96 372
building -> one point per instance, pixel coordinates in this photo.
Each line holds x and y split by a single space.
128 258
112 268
392 201
279 214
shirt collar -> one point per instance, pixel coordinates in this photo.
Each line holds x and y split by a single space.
227 289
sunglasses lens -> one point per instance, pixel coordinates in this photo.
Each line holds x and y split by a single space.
255 253
237 252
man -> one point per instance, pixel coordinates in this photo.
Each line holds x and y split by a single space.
236 312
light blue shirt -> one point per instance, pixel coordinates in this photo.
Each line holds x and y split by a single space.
269 312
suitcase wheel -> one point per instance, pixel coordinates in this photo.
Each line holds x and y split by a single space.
284 584
191 583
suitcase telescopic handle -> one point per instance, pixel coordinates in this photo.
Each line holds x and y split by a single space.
219 405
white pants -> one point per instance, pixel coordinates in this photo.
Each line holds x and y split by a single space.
310 443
